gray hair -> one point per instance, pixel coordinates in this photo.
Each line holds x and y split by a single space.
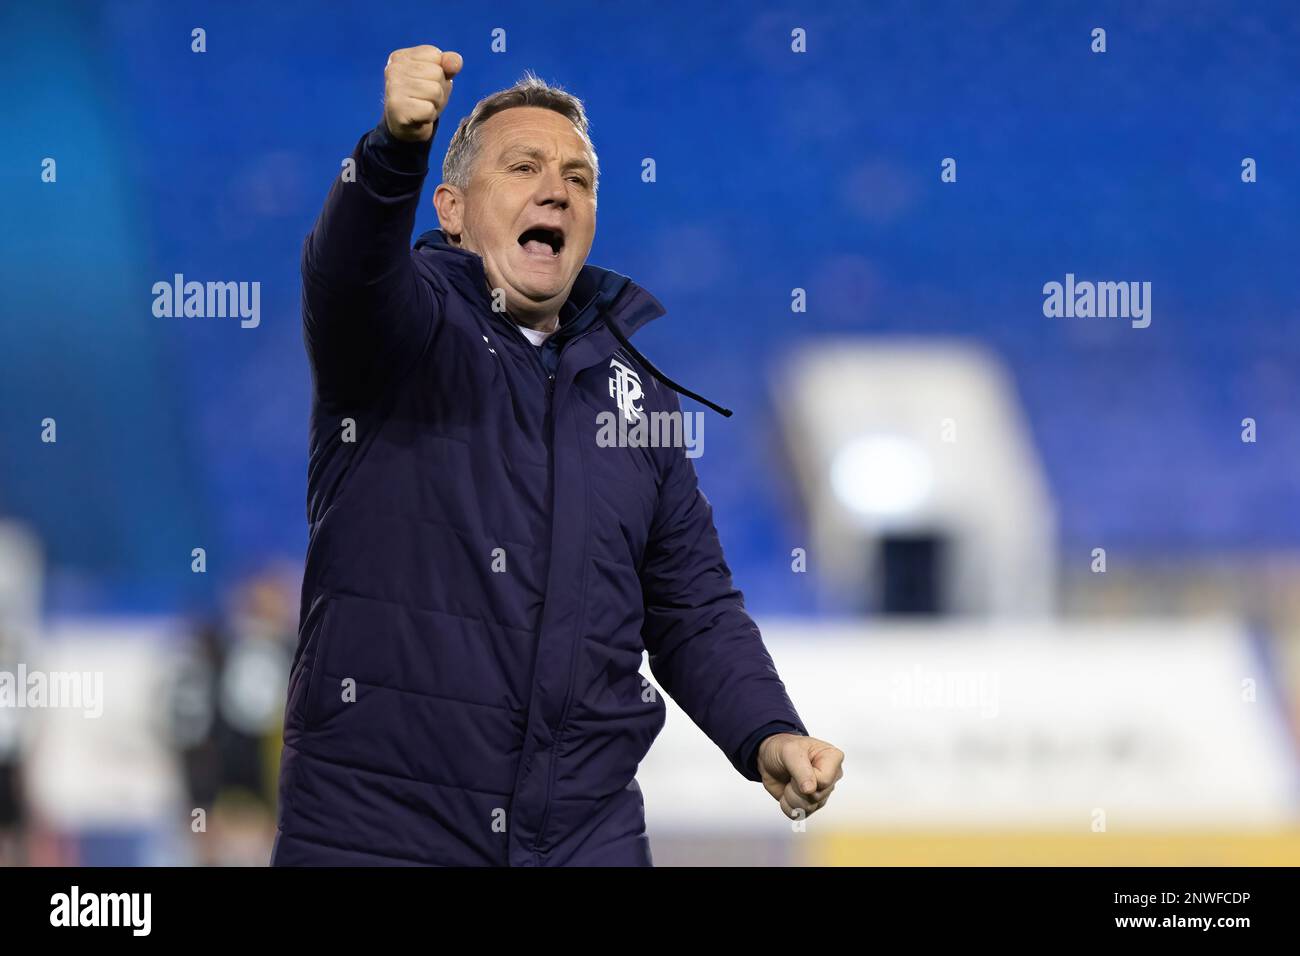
531 90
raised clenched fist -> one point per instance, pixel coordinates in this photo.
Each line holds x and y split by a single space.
417 84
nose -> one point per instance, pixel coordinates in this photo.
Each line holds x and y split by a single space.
551 190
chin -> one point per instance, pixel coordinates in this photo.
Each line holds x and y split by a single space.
538 292
534 296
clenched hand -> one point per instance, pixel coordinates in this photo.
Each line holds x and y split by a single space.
799 772
417 84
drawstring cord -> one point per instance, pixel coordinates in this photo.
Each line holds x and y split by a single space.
680 389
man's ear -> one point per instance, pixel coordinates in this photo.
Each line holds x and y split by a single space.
450 204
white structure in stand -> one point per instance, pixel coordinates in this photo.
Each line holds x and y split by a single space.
895 438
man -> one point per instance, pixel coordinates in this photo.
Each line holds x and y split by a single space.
483 575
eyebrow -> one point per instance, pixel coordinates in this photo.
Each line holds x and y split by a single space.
532 152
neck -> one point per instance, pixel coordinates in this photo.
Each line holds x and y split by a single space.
538 321
546 324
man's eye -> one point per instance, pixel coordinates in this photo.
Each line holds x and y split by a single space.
523 167
578 179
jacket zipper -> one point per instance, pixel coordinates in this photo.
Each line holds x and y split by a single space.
537 359
547 426
550 529
568 684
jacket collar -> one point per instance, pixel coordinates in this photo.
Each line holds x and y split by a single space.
624 302
597 293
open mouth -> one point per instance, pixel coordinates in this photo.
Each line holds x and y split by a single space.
542 241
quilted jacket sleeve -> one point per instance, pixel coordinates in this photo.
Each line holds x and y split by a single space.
366 312
705 650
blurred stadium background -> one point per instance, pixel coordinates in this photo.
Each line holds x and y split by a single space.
923 475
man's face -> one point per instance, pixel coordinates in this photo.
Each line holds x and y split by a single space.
530 210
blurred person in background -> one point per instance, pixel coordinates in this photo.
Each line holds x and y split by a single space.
11 802
226 706
21 581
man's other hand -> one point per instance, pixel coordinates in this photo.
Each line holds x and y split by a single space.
799 772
